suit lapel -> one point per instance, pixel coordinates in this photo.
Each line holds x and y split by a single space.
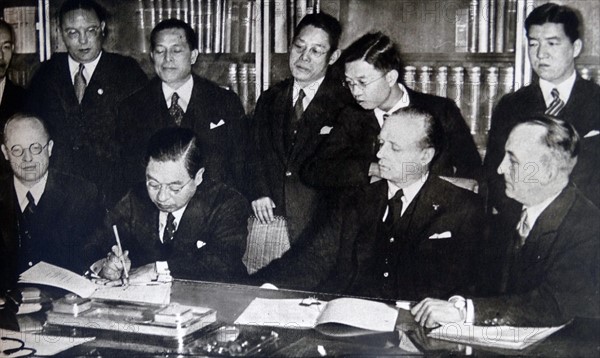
64 82
194 218
282 108
422 211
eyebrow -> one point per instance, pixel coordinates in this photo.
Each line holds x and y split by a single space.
150 177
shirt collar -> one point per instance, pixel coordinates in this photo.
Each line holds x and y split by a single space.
184 92
534 211
162 220
309 91
2 86
37 190
403 102
88 72
564 89
410 192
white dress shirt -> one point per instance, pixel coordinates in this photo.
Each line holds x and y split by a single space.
184 92
409 193
162 220
36 191
309 92
88 71
403 102
564 89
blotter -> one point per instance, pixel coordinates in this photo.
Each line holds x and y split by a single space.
507 337
44 345
340 317
43 273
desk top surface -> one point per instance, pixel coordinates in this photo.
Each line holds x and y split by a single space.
580 338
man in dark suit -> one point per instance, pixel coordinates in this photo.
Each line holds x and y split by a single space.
291 120
554 43
408 236
177 97
11 95
374 74
46 214
178 220
550 269
77 94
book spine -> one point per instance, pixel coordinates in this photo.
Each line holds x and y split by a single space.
510 20
243 86
141 27
200 24
473 25
185 11
253 15
300 10
168 9
258 55
235 26
441 81
281 31
251 87
456 86
208 26
472 97
490 97
223 16
291 20
425 79
267 43
245 22
506 79
218 26
176 9
317 6
492 26
410 77
227 26
461 31
160 10
483 18
310 7
232 81
42 29
500 26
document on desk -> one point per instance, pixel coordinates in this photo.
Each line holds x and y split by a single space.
340 317
43 345
507 337
47 274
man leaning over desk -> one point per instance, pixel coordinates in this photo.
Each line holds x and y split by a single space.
178 220
550 270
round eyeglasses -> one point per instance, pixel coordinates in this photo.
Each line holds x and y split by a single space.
361 84
35 149
172 189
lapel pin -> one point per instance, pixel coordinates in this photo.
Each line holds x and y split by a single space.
100 91
435 207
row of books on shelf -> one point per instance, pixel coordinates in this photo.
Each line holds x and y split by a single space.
487 26
22 19
241 79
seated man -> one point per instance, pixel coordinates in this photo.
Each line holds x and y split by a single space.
550 270
45 213
194 226
408 236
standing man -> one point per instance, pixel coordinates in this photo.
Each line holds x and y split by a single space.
409 236
179 98
551 266
11 96
554 43
291 120
46 214
374 75
179 220
77 94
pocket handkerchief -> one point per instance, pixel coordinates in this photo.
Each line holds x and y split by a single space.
444 235
591 133
325 130
200 244
220 123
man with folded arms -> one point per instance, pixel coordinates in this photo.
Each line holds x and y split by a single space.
178 220
550 265
408 236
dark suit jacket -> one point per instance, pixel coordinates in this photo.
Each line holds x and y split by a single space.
84 134
582 110
146 111
216 216
555 275
344 159
10 103
275 171
346 255
67 213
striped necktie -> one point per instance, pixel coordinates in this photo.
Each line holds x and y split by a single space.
557 104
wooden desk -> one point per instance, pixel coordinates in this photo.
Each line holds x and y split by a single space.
579 339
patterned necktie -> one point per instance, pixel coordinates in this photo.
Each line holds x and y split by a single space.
298 107
394 209
557 104
80 83
169 231
175 111
30 208
523 227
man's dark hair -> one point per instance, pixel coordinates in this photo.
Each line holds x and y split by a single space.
434 132
378 50
561 137
8 27
173 143
190 35
19 116
557 14
88 5
325 22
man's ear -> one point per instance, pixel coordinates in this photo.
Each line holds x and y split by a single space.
5 152
427 156
194 56
102 28
50 146
334 56
577 47
199 176
392 77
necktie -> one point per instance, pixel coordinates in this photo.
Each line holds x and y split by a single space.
80 83
30 208
394 208
169 231
175 111
295 122
557 104
298 107
523 227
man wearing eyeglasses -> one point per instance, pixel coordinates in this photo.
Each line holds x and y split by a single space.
77 93
291 120
179 220
46 214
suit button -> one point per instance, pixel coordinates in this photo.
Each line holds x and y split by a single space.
288 174
386 274
75 147
392 239
30 263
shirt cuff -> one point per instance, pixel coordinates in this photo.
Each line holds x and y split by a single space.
467 310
